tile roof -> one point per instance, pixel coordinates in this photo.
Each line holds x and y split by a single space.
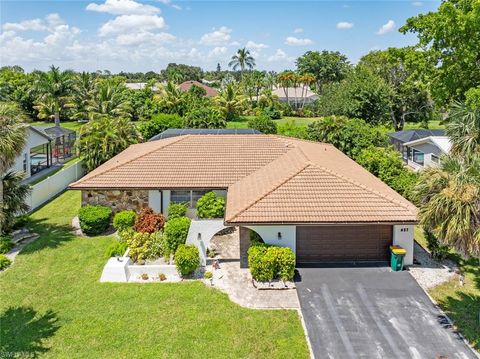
210 91
270 179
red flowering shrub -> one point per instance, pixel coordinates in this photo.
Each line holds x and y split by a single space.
149 222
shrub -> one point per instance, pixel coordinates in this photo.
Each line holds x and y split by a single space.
271 112
208 275
263 124
126 235
116 249
269 262
176 231
5 244
124 219
437 250
176 210
4 262
187 259
156 245
159 123
21 221
210 206
94 220
162 277
204 117
139 246
148 221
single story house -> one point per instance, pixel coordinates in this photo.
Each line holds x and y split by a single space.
305 195
210 91
45 147
426 152
295 96
412 156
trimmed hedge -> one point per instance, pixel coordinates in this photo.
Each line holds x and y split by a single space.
4 262
187 259
210 206
176 210
149 222
176 231
269 262
94 220
124 219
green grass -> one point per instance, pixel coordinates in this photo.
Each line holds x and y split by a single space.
300 121
71 125
52 305
433 125
462 304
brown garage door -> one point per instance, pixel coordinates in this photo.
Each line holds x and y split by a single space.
343 243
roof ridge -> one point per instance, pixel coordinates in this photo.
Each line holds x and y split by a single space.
358 184
307 164
178 139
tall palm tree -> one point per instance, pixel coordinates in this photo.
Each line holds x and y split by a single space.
13 130
230 103
449 201
54 88
286 79
306 80
242 60
463 128
109 100
83 89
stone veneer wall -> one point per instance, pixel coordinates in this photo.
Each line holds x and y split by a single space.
244 245
117 200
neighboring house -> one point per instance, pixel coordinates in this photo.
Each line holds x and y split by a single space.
421 147
142 85
173 132
295 96
210 91
45 147
305 195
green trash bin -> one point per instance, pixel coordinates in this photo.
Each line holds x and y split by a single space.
396 262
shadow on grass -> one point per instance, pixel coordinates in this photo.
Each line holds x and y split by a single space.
464 310
51 235
23 331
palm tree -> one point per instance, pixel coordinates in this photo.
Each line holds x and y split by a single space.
109 100
285 80
242 60
83 89
306 80
54 88
104 137
463 128
230 103
171 99
14 194
449 201
13 137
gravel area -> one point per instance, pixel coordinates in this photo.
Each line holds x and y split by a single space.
428 272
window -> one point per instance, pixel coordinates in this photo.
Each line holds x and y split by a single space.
40 158
190 197
434 158
196 195
25 162
418 157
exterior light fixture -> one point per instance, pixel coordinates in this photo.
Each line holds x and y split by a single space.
199 237
279 235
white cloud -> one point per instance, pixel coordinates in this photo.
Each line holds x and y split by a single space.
123 7
217 37
344 25
294 41
298 30
278 56
217 52
144 37
131 23
417 3
27 25
254 45
389 26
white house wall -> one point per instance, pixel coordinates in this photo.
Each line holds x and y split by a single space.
33 140
403 237
155 200
269 235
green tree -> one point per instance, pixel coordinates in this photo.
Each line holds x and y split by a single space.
171 99
350 136
109 99
230 103
204 117
159 123
14 195
104 137
449 203
83 88
242 60
452 36
13 136
463 128
361 94
178 73
325 66
252 84
54 91
264 124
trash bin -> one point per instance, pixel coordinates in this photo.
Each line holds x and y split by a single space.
396 262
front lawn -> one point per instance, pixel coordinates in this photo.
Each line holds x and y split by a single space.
462 304
71 125
52 304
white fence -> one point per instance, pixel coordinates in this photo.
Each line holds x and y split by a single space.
53 185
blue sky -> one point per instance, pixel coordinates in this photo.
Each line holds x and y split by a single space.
134 35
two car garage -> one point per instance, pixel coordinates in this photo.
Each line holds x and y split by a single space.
332 243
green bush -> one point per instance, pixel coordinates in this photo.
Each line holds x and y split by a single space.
264 124
117 248
269 262
126 234
21 221
175 232
94 220
159 123
176 210
204 117
187 259
145 245
4 262
5 244
210 206
124 219
156 246
437 250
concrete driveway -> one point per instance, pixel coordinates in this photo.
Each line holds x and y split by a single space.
373 313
